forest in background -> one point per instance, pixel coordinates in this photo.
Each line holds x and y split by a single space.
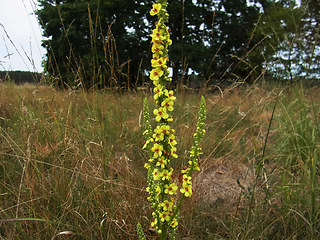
20 77
97 44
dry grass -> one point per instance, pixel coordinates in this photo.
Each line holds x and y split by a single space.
71 164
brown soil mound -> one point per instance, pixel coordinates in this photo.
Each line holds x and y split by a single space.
223 183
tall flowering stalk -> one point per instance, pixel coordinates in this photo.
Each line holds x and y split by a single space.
166 196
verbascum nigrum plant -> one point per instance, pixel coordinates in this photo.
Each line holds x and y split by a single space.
165 194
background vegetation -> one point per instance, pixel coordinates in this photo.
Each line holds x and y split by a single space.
106 43
20 77
71 164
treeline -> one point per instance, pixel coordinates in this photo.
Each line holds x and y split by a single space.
20 77
106 43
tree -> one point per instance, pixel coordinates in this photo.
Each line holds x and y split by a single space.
276 31
224 39
293 31
92 43
309 39
106 42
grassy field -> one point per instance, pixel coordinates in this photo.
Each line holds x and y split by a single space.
71 164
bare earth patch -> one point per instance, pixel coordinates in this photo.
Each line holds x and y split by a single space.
223 182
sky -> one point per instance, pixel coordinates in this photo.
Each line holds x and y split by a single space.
20 36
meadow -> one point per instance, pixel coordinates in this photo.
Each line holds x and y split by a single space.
71 163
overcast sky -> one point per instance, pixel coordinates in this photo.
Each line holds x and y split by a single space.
20 42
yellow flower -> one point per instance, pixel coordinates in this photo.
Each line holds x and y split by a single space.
174 152
164 216
166 175
157 49
165 129
162 162
158 190
166 205
168 104
171 189
158 34
157 149
147 165
170 119
154 222
158 92
147 142
160 113
172 140
159 62
155 9
174 223
160 131
195 165
156 73
186 180
171 96
156 174
185 170
186 190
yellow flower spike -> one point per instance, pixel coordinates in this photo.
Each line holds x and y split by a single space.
155 9
163 150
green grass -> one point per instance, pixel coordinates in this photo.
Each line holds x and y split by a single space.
71 164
